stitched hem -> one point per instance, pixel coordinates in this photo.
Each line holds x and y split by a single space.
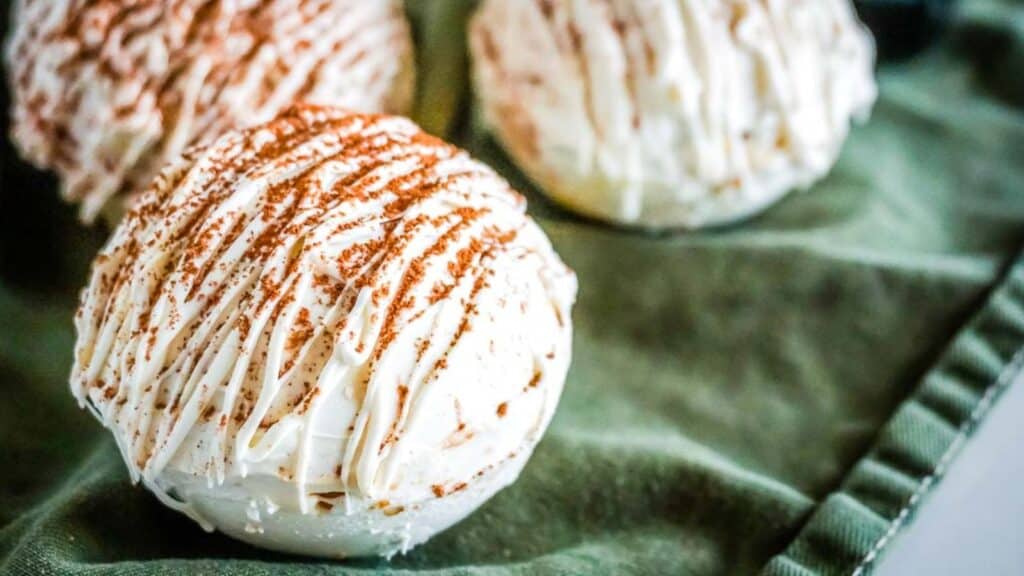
851 527
1008 375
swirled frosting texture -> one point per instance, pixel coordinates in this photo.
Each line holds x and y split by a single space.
106 92
332 316
672 112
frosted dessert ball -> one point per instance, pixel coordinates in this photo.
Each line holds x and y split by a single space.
106 93
665 113
331 334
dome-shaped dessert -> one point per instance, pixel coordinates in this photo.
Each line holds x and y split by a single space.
330 334
106 93
661 113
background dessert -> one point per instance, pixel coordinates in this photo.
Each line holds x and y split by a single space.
663 113
107 92
330 334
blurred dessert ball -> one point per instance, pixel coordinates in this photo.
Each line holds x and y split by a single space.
330 334
666 113
106 92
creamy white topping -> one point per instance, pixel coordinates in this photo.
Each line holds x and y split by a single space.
672 112
332 314
106 92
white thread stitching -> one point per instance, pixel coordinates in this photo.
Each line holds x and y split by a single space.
1009 371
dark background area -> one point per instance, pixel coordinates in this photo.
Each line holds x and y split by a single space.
44 251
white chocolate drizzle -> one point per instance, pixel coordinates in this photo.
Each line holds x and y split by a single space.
672 112
106 92
336 301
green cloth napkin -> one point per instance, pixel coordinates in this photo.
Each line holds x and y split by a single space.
770 396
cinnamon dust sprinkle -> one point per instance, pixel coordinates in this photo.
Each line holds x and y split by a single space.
392 436
278 277
535 380
98 46
329 495
394 510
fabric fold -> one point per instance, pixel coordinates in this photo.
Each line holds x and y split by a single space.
851 527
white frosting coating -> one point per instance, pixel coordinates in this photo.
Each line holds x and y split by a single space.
331 334
672 112
106 92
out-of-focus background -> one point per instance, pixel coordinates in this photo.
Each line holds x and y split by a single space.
44 252
44 259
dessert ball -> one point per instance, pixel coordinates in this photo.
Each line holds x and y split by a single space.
330 334
107 92
665 113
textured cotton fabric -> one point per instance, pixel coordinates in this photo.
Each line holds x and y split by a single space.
776 396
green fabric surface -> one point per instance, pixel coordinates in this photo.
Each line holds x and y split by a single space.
769 396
